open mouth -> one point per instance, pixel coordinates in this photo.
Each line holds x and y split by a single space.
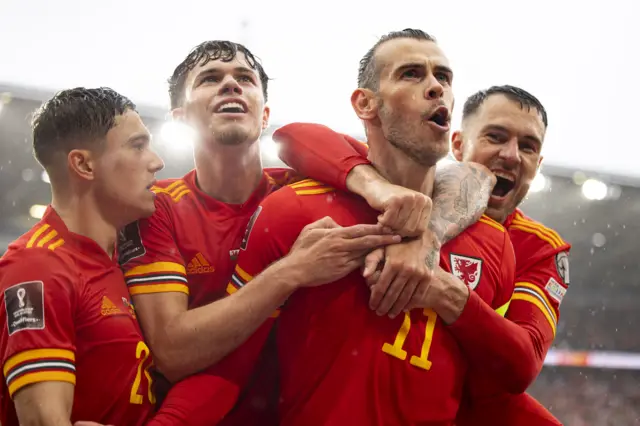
504 185
231 108
440 117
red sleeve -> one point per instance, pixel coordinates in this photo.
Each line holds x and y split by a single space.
503 348
271 232
201 399
149 256
37 343
535 306
319 152
507 410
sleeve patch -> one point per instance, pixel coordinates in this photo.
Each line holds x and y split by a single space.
555 290
130 243
24 305
247 232
562 265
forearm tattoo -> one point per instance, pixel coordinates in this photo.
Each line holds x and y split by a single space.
460 197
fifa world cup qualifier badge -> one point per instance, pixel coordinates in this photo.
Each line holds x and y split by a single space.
24 304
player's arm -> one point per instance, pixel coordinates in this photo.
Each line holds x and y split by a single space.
38 360
503 348
535 305
44 404
185 341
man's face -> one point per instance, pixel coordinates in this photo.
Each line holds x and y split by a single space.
125 169
415 98
225 99
507 138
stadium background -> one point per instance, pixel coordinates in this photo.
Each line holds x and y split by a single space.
575 57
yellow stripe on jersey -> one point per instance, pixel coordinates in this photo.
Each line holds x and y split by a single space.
41 376
246 277
502 310
544 233
36 355
48 237
176 190
533 294
304 183
37 234
39 365
56 244
155 268
166 287
488 221
314 191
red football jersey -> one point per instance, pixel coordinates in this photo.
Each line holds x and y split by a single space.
190 245
66 317
542 280
340 363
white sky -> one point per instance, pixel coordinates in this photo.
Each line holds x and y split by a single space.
582 61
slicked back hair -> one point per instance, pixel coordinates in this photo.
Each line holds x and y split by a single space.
212 50
516 94
75 118
369 72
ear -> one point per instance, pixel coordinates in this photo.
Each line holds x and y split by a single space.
265 117
365 104
177 114
82 163
457 145
539 163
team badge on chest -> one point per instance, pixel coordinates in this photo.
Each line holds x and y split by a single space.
467 269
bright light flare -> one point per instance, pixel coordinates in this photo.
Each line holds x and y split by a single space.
538 184
593 189
36 211
177 137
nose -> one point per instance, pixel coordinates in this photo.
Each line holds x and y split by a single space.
230 86
510 152
156 163
434 88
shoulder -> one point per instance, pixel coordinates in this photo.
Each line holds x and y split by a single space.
41 246
524 229
171 191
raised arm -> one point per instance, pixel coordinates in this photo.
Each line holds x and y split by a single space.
185 341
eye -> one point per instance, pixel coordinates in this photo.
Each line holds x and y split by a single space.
493 137
412 73
527 147
209 79
245 78
443 77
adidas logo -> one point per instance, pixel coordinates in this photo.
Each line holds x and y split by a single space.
199 265
108 307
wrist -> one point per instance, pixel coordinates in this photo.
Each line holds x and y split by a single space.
364 181
454 299
290 274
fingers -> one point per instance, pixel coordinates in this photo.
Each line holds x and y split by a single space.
380 288
370 242
408 214
361 230
372 261
396 288
405 297
324 223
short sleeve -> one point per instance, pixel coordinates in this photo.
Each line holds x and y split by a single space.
270 234
149 256
37 343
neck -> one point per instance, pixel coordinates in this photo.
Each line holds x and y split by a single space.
228 173
81 214
400 169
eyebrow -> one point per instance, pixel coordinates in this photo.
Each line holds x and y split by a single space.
139 137
218 70
436 68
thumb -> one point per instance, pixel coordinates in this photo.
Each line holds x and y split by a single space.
372 261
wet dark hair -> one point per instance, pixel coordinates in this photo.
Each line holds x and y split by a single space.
516 94
212 50
75 118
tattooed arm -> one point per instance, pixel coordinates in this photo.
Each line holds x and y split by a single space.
460 197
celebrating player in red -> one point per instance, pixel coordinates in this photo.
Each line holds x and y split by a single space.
503 128
340 362
179 261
